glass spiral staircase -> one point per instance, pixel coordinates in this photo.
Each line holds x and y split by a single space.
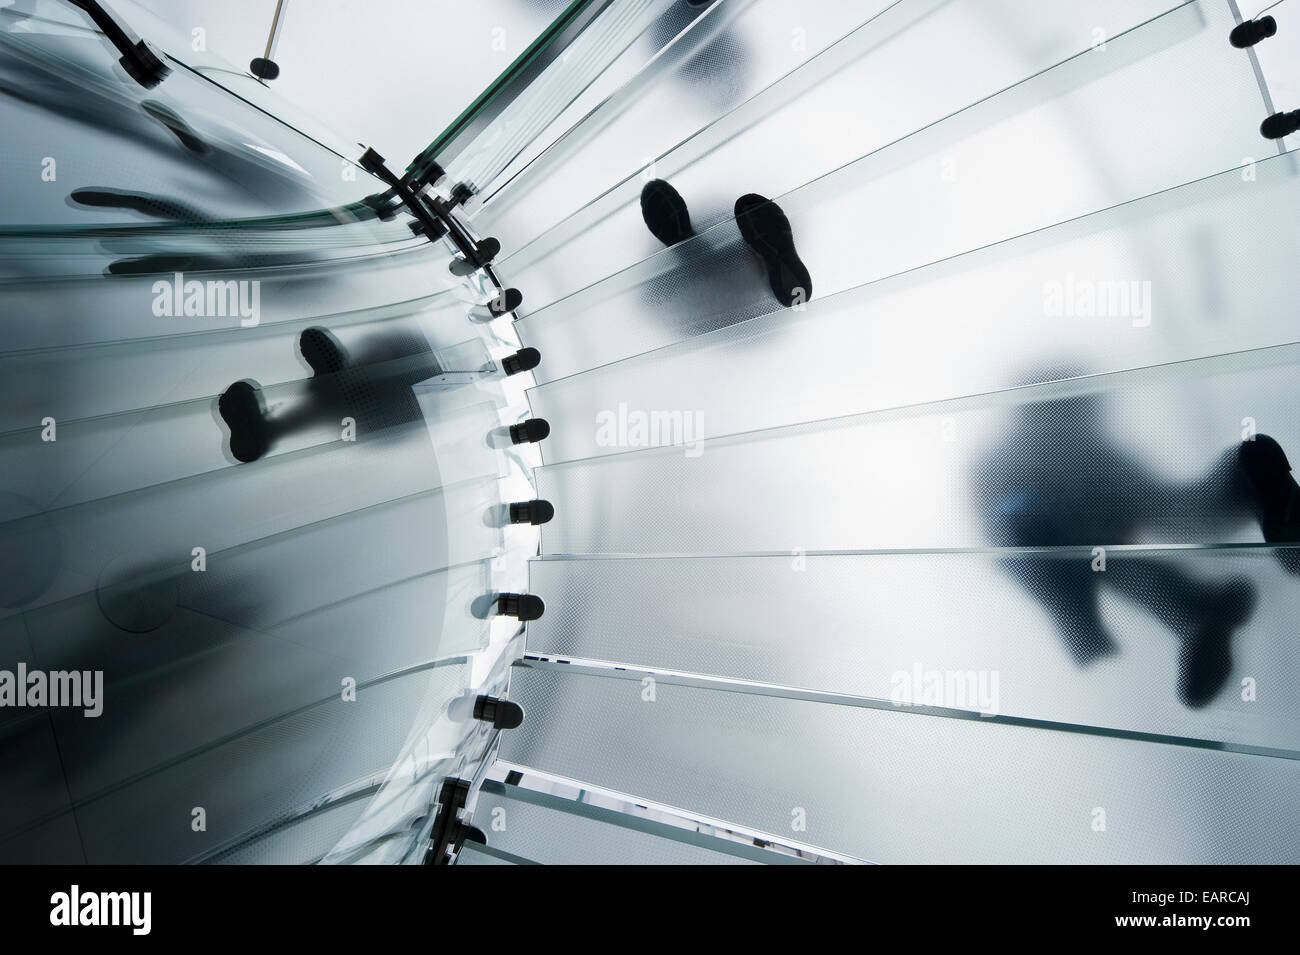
929 567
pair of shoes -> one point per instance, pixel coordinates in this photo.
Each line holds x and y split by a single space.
763 226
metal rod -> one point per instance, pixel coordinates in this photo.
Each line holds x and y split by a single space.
274 36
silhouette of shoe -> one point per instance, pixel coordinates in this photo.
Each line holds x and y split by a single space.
1205 658
665 213
244 412
322 352
156 206
177 126
767 231
1277 496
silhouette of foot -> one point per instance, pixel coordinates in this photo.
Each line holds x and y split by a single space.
156 206
1277 497
1205 658
665 213
767 231
243 411
177 126
321 351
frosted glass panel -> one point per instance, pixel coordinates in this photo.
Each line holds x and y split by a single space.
239 782
902 787
124 376
932 56
305 839
358 476
1037 634
994 531
469 855
177 264
204 160
554 833
1017 162
1148 456
717 56
294 291
1164 279
552 92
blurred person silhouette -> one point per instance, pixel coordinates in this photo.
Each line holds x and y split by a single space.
1060 479
373 388
714 73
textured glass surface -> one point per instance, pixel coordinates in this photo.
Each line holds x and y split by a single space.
180 143
963 551
889 786
180 43
238 777
879 627
287 631
299 289
947 188
935 567
1173 277
553 91
471 855
116 377
842 103
561 832
308 838
1146 456
714 57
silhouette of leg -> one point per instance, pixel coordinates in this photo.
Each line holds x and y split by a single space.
1274 495
322 352
1067 590
1203 616
766 230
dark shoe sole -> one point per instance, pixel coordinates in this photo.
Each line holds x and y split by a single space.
321 351
664 212
242 409
766 230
